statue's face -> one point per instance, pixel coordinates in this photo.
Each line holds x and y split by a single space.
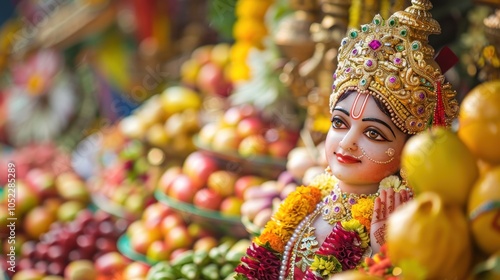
363 146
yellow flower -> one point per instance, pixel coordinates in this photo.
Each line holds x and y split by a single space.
252 8
250 30
391 182
238 71
326 265
325 182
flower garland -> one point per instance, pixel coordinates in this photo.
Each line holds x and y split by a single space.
343 249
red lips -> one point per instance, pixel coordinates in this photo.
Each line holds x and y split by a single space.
346 159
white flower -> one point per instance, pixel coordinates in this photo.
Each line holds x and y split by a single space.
393 182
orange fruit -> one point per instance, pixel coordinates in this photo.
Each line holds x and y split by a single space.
479 121
484 211
436 160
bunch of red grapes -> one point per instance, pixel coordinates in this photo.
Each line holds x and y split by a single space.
89 236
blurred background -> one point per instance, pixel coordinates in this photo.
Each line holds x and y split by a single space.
116 99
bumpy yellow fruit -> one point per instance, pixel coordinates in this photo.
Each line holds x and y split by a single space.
437 160
484 211
479 121
430 237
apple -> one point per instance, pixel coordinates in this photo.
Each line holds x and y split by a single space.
143 239
41 182
69 210
231 206
29 274
189 71
235 114
136 227
211 80
207 133
26 199
154 214
80 269
250 126
170 221
135 271
205 243
207 199
222 182
178 237
202 54
245 182
226 140
197 230
52 204
253 145
38 221
280 148
134 203
198 166
71 187
183 188
158 251
110 264
220 54
167 177
176 99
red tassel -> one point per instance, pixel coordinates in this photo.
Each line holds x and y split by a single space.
439 114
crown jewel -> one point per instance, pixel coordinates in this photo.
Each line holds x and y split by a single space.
392 60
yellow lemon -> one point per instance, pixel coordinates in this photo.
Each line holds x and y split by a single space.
484 211
479 121
437 160
176 99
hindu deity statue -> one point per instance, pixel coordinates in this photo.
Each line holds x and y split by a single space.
387 87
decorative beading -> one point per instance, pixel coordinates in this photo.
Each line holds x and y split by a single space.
392 60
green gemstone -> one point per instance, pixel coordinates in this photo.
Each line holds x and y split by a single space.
400 48
415 46
403 32
353 34
364 28
376 21
392 22
363 82
422 80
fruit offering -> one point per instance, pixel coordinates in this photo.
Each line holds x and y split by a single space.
243 131
125 185
211 263
167 120
206 70
88 237
161 234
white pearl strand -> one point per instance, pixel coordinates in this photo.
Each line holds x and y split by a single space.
291 241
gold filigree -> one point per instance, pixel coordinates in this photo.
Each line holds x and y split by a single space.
392 60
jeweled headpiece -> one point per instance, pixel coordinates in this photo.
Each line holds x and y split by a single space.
392 60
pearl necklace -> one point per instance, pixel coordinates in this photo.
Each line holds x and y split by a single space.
296 234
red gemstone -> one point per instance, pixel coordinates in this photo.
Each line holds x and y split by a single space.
375 44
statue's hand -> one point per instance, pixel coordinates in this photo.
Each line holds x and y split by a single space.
385 204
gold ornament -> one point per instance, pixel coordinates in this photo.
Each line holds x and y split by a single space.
392 60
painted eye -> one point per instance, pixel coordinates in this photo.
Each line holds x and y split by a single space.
337 123
374 135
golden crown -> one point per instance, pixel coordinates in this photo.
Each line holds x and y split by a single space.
392 60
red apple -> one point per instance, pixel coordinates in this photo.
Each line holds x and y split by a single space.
197 230
250 126
280 148
41 182
111 263
38 221
170 221
154 214
183 188
235 114
207 133
226 140
143 239
26 199
207 199
245 182
222 182
211 80
253 145
136 270
231 206
158 251
167 177
198 167
178 237
205 243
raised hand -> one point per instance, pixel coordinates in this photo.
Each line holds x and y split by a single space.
387 201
